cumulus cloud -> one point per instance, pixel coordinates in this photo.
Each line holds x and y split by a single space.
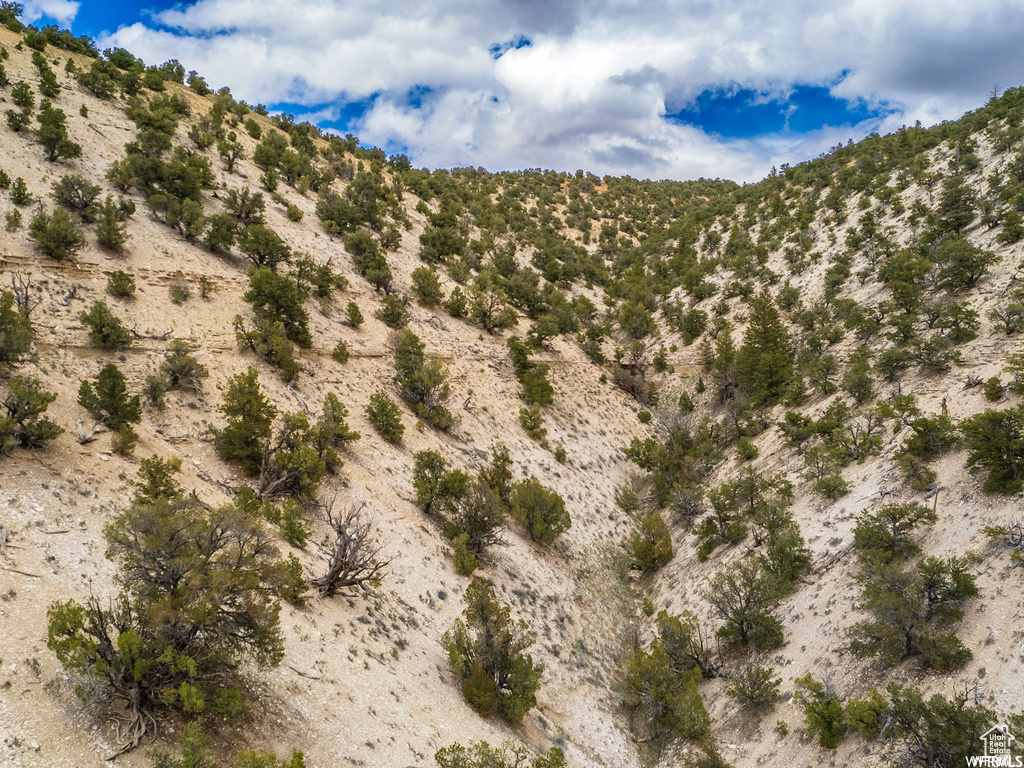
591 84
62 11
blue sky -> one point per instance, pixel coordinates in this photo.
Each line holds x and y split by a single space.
650 88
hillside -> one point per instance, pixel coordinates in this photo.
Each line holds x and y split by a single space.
679 325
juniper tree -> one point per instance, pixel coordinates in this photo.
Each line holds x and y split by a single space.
764 363
22 423
15 331
198 594
105 330
107 399
437 488
250 416
540 510
487 654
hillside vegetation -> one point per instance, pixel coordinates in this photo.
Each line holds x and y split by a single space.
309 457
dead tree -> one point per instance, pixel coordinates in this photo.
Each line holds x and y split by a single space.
21 287
354 556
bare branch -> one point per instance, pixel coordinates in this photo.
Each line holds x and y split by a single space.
354 557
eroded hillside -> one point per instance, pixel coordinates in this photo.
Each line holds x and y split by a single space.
884 270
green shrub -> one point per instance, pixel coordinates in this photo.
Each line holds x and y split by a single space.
422 382
105 330
250 416
385 417
489 649
465 563
107 399
651 543
437 488
22 423
913 612
15 331
53 134
483 755
278 298
755 688
179 292
532 421
393 312
644 417
744 595
269 341
134 657
352 315
56 235
111 231
823 711
181 370
995 441
993 389
746 450
427 287
12 220
340 352
664 698
540 510
19 192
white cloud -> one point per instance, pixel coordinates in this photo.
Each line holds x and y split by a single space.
593 88
63 11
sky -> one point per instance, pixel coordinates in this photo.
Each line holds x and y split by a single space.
659 89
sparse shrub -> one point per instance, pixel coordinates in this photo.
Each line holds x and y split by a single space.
385 416
181 370
532 421
269 341
12 220
744 595
105 330
755 688
179 292
224 602
78 195
124 440
483 755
